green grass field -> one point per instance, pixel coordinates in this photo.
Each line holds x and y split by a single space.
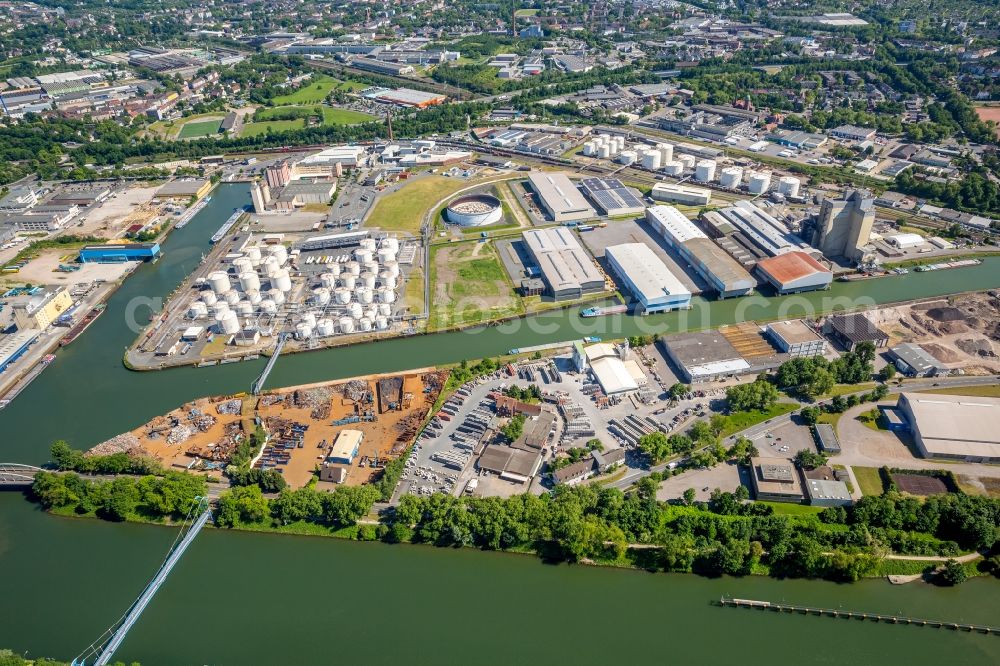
330 115
253 129
316 90
404 210
789 509
197 129
743 420
469 286
869 480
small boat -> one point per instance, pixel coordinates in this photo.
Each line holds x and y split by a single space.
590 339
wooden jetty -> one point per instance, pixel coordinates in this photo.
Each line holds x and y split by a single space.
839 613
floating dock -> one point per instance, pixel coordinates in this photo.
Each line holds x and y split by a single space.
840 613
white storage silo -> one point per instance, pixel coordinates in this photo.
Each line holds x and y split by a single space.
381 323
759 183
335 270
249 281
254 296
386 255
367 280
220 309
354 309
253 254
730 177
361 255
324 328
390 243
349 281
209 298
269 266
589 149
197 310
342 296
384 309
386 295
229 323
328 280
365 324
352 268
244 308
387 279
267 306
282 281
369 267
705 172
619 142
365 295
303 331
321 296
232 297
219 282
666 152
687 160
309 318
627 157
673 168
277 296
789 186
279 252
368 244
242 265
346 325
651 159
604 152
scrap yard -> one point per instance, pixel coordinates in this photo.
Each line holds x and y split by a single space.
305 426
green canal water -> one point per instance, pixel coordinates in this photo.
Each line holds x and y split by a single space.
264 599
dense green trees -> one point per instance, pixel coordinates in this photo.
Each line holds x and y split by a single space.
811 377
123 498
758 395
340 508
514 428
69 459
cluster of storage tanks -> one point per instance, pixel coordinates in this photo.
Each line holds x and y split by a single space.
227 300
355 296
604 146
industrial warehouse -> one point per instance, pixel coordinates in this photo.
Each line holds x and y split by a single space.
559 198
794 272
953 427
612 197
567 269
647 278
716 267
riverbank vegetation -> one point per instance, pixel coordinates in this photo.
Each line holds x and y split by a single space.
135 498
10 658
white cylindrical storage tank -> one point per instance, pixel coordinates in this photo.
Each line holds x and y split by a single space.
386 296
673 168
789 186
367 280
387 279
365 295
687 160
342 296
381 323
282 281
365 324
267 306
627 157
324 328
666 152
589 149
335 270
620 142
368 244
730 177
361 255
328 280
348 281
352 268
346 325
759 183
390 243
321 296
220 309
386 254
242 265
277 296
651 159
197 310
209 298
219 282
249 281
309 318
253 254
604 152
384 309
354 309
270 266
392 267
229 323
369 267
244 308
254 296
303 331
705 171
232 297
279 252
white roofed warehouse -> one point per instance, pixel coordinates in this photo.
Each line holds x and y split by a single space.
712 263
647 278
568 270
559 198
953 427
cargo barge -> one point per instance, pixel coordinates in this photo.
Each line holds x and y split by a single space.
191 212
82 325
227 225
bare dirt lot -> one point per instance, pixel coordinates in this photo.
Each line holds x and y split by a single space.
961 332
203 434
43 270
125 208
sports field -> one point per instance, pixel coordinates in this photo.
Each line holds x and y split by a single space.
200 128
330 115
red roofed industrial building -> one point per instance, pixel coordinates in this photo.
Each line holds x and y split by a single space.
793 272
